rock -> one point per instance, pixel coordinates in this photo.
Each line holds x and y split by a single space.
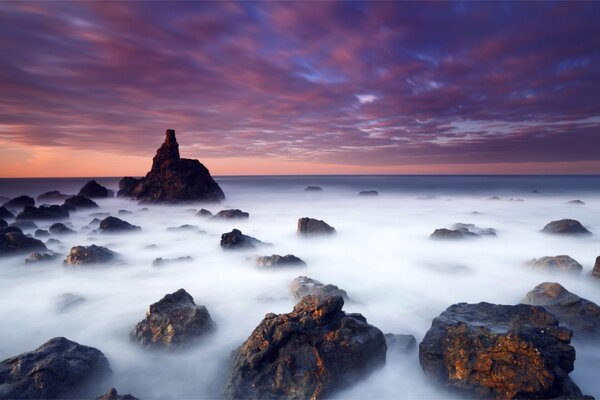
52 241
204 213
10 229
474 229
159 262
303 286
498 351
3 224
572 311
444 233
172 179
84 255
566 227
79 202
41 233
124 212
66 301
14 243
596 270
4 199
173 322
311 226
6 214
556 263
94 190
24 225
494 198
113 395
276 260
116 225
59 368
53 196
19 203
576 202
369 193
236 240
309 353
60 229
100 215
183 228
313 189
94 223
231 214
399 343
35 258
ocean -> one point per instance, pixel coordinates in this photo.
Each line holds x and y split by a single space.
394 274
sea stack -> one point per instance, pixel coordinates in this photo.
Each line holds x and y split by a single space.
172 179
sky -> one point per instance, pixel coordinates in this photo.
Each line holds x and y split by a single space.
89 88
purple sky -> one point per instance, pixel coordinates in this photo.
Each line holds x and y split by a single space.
378 86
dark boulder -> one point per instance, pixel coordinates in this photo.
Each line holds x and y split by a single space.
231 214
14 243
116 225
172 179
94 190
576 202
498 351
399 343
173 322
83 255
556 264
566 227
41 234
204 213
59 368
303 286
112 394
313 189
276 261
53 196
309 353
159 262
572 311
311 226
60 229
452 234
19 202
369 193
10 229
3 224
24 225
6 214
237 240
80 203
36 258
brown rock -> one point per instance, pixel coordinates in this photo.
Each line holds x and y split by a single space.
556 264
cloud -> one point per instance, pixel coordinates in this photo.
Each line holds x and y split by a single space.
366 98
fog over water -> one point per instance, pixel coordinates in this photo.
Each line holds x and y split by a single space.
382 256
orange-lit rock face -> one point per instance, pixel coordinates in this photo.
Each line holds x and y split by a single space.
492 351
307 353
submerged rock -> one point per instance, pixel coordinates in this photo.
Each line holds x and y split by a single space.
172 322
124 212
183 228
172 179
24 225
44 213
35 258
231 214
59 368
572 311
66 301
83 255
369 193
19 202
112 394
116 225
474 229
498 351
400 343
60 229
444 233
576 202
303 286
557 263
313 189
6 214
14 243
159 262
309 353
41 233
276 260
94 190
237 240
204 213
53 196
80 202
566 227
311 226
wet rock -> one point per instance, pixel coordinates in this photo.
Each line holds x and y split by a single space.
41 234
231 214
494 198
61 229
576 202
67 301
596 270
474 229
311 226
94 190
556 263
572 311
6 214
237 240
3 224
452 234
53 196
24 225
112 394
204 213
173 322
172 179
84 255
52 242
309 353
400 344
124 212
100 215
497 351
116 225
36 258
160 262
79 203
566 227
369 193
183 228
313 189
95 223
59 368
303 286
14 243
18 203
276 261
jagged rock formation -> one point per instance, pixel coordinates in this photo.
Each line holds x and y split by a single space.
172 179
